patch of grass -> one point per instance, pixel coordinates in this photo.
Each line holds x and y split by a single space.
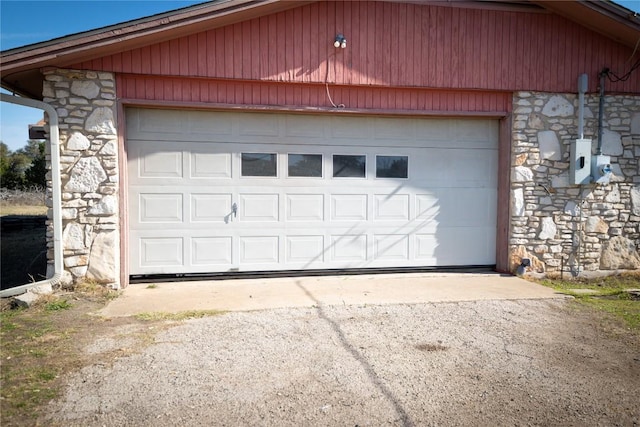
608 295
62 304
152 286
183 315
92 289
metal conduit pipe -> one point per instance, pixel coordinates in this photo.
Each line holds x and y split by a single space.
54 143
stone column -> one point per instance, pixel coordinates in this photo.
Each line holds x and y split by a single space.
85 102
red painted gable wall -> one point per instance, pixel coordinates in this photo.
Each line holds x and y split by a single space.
425 49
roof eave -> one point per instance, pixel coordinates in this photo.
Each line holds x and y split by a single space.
604 17
105 41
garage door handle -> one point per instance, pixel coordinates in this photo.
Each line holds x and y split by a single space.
234 210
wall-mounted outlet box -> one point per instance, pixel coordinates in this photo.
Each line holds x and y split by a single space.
580 162
601 169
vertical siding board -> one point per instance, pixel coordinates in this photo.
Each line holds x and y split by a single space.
314 57
154 59
389 43
385 59
302 27
403 42
248 63
416 34
263 54
237 49
452 47
518 46
279 46
213 51
165 58
394 36
340 56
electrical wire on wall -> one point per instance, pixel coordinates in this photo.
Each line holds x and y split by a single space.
340 42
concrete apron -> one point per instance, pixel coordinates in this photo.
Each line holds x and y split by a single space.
261 294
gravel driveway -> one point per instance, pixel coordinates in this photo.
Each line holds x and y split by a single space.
519 362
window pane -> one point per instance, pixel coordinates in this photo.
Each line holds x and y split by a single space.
392 166
349 166
305 165
259 164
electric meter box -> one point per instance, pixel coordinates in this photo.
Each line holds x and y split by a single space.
580 162
601 169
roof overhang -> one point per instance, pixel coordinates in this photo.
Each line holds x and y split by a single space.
21 68
605 17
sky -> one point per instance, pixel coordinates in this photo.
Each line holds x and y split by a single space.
26 22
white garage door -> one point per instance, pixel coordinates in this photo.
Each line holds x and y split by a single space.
229 191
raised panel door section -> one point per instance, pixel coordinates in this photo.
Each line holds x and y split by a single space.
259 250
260 125
259 207
427 207
210 165
391 247
349 248
392 207
161 252
305 249
348 207
160 207
211 250
305 207
210 207
160 164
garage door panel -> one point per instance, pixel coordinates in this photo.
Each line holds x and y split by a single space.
259 250
305 207
464 246
348 247
161 208
211 207
259 207
305 126
349 207
259 125
155 164
305 249
207 124
212 251
211 165
391 207
391 247
161 251
441 210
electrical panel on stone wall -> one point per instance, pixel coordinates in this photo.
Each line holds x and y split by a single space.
580 162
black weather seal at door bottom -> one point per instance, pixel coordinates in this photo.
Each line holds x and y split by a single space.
146 278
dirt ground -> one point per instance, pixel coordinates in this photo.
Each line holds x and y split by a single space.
523 362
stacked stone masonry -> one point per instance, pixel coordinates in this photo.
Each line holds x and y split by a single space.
85 103
574 228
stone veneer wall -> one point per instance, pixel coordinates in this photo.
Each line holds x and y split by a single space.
85 102
558 225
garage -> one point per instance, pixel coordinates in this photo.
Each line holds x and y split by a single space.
229 191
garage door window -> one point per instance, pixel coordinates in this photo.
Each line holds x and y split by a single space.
349 166
392 166
259 164
305 165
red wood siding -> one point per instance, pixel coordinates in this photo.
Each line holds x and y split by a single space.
181 90
390 44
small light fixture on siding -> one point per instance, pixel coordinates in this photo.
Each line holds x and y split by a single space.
340 41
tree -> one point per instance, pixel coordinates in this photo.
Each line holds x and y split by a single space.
23 168
36 174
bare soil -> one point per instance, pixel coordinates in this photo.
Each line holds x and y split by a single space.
525 362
